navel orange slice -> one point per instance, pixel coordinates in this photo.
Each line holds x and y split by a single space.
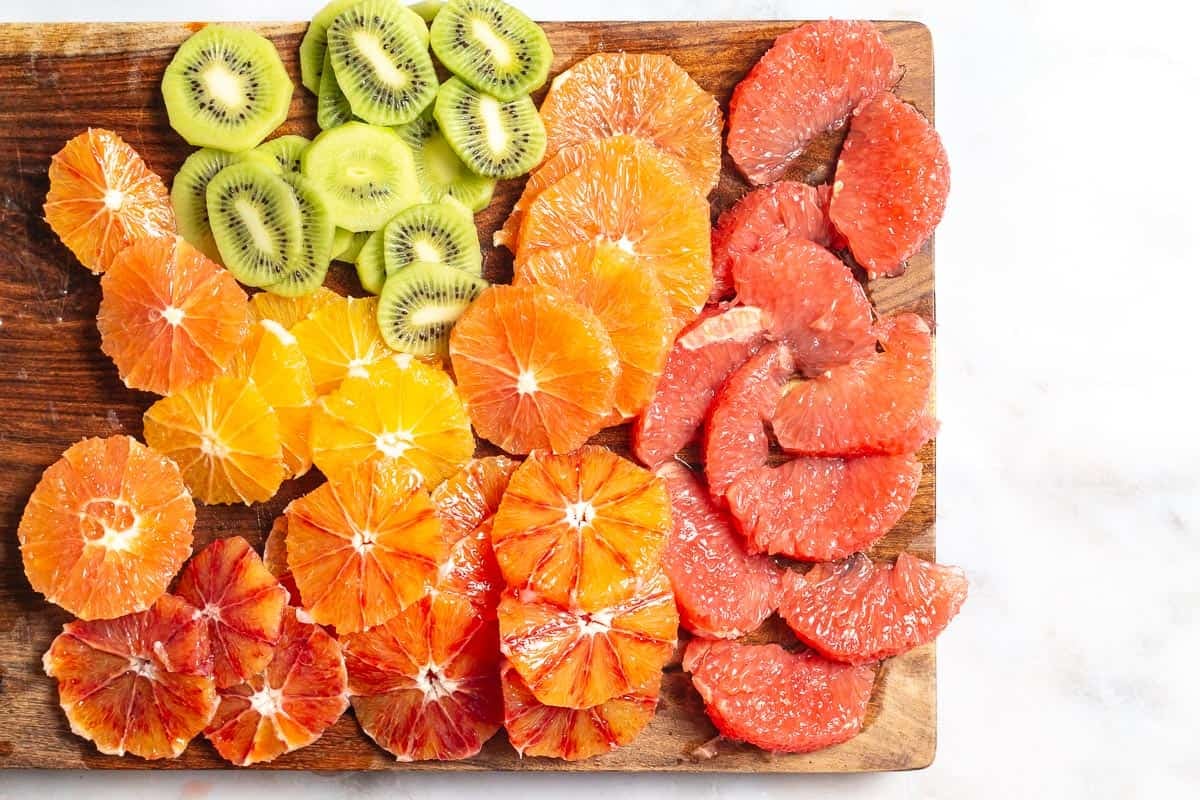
287 311
341 339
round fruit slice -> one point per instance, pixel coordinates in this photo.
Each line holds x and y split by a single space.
241 605
630 195
136 684
573 734
722 591
764 217
426 684
224 437
535 369
340 339
782 702
807 83
288 704
581 530
103 198
408 414
492 46
578 659
811 300
287 311
494 138
877 404
890 188
106 529
628 301
274 558
169 318
363 546
644 94
703 357
364 172
859 611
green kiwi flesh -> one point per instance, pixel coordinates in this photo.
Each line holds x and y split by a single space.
333 108
494 138
369 264
432 233
427 9
420 304
285 150
312 46
440 171
256 222
306 271
492 46
190 201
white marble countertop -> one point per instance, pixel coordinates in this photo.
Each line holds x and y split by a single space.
1069 457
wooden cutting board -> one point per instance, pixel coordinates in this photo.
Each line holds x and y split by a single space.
56 387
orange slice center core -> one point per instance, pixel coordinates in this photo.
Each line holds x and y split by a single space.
210 445
267 702
173 315
526 382
597 623
114 199
433 684
143 667
109 523
579 514
363 541
394 444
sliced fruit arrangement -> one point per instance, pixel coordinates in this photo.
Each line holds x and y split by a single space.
340 339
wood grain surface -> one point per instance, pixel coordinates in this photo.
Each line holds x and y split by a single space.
56 387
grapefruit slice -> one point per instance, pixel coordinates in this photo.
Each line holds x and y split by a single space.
764 217
241 605
644 94
722 592
573 734
136 684
426 684
106 529
340 339
286 706
573 658
859 611
535 369
287 311
782 702
363 546
275 558
807 83
169 318
700 361
811 301
581 530
876 404
890 188
104 198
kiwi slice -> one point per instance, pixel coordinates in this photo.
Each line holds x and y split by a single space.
349 253
306 271
312 46
256 222
495 138
427 9
440 172
333 108
420 304
380 63
432 233
369 264
226 87
285 150
492 46
365 173
189 198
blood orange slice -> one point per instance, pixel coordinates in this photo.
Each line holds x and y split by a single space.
890 188
811 300
644 94
722 592
275 558
287 311
340 339
807 83
136 684
363 546
106 529
876 404
574 658
702 358
241 604
103 198
582 529
535 369
426 684
780 701
286 706
170 318
764 217
573 734
859 611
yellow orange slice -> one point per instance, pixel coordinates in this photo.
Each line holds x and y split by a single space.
341 339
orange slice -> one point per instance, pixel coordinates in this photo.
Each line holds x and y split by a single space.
103 198
629 302
573 734
402 411
426 684
287 311
578 659
106 529
363 546
535 369
289 704
341 339
136 684
241 604
581 529
630 195
169 318
274 558
645 94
